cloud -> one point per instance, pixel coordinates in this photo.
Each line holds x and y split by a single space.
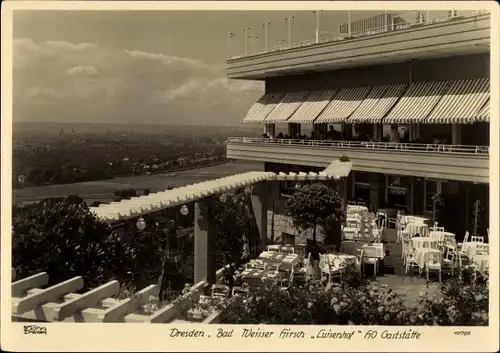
61 81
81 70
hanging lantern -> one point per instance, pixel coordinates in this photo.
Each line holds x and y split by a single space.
248 190
297 186
184 210
141 224
223 198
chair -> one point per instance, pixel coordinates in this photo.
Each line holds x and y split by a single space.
259 264
276 248
432 262
219 290
239 291
441 245
287 250
437 229
349 236
466 239
483 249
391 221
451 259
410 261
352 224
477 239
362 203
351 203
369 256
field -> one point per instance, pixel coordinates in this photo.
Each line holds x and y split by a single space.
103 190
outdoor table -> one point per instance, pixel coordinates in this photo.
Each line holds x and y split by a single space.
443 236
254 275
424 242
420 255
470 248
286 260
354 247
356 209
482 262
417 228
415 219
336 260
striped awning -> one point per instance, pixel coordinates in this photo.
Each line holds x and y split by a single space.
484 113
418 101
256 108
376 105
461 103
261 109
312 107
288 105
342 105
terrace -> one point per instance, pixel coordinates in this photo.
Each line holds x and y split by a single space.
447 162
372 244
373 41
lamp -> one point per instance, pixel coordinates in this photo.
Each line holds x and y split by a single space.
248 190
297 186
141 224
223 198
184 210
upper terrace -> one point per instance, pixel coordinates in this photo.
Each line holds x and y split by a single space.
385 39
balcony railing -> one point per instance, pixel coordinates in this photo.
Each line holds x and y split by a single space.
397 20
382 146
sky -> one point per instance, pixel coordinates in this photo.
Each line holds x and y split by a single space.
145 67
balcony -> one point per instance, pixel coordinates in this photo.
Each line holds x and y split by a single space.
445 162
468 33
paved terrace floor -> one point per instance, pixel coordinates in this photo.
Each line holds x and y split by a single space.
409 285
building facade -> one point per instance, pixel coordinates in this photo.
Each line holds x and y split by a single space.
412 103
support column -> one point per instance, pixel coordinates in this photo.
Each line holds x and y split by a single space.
375 190
377 132
456 137
291 130
273 198
270 129
204 243
342 188
260 201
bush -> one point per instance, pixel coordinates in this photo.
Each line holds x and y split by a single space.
465 302
354 301
63 238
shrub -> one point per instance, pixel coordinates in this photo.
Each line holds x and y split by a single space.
61 237
465 302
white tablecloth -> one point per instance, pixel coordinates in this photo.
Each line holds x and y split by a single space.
470 248
356 209
420 257
424 243
442 236
481 261
379 249
351 233
417 228
336 260
287 260
414 219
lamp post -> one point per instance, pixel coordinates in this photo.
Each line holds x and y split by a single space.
289 21
171 256
266 26
317 24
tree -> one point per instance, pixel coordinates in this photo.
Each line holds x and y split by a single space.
61 237
233 223
317 205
